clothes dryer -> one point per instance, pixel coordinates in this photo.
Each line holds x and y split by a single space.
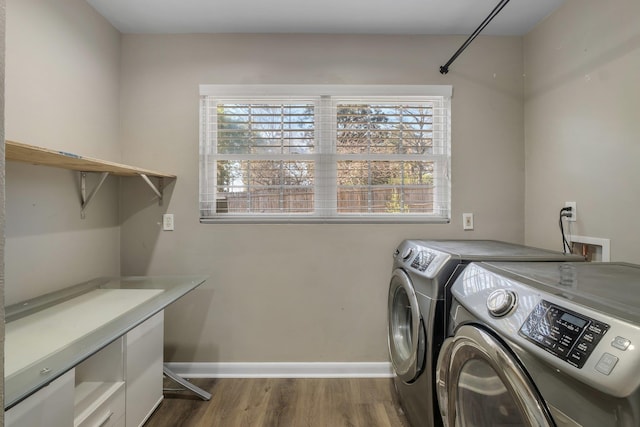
417 311
542 344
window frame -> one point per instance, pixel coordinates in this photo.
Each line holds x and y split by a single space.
326 157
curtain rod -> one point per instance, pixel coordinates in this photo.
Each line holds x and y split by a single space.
445 68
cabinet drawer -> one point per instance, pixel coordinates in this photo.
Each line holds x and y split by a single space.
51 406
107 410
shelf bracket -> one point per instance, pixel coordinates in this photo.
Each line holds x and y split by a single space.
157 190
204 395
83 190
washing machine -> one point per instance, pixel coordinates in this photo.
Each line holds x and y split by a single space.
542 344
417 310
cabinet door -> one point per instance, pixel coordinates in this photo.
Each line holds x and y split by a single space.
51 406
143 370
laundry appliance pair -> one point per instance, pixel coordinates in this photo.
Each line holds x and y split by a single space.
418 309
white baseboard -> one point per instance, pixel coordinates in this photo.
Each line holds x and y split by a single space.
283 370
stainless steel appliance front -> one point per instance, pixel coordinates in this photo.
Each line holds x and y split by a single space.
417 310
564 356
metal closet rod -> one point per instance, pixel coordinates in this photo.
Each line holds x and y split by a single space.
445 68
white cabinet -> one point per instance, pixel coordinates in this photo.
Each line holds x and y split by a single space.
51 406
119 379
119 386
143 369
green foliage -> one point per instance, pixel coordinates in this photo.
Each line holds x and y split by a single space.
395 205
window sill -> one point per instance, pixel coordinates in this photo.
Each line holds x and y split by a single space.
355 219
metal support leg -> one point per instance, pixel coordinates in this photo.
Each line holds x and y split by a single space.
186 384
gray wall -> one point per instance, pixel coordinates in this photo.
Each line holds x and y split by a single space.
304 292
582 104
62 88
73 83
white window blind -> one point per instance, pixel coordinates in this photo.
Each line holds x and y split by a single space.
325 153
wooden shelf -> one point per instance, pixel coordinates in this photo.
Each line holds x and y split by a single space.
19 152
16 151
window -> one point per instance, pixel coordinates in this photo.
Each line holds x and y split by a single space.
325 153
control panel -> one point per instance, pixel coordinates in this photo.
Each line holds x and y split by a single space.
568 335
422 260
426 261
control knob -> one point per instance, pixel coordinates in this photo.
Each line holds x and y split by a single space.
501 302
406 254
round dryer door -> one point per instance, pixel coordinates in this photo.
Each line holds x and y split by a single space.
481 384
406 331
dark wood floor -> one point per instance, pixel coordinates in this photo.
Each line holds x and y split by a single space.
271 402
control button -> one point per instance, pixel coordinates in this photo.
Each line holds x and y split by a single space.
620 343
588 337
598 328
606 363
577 356
565 340
585 346
561 350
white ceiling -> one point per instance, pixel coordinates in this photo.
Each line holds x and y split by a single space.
325 16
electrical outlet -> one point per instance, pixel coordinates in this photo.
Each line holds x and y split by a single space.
167 222
574 212
467 221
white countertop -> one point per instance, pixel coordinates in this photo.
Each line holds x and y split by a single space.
48 335
32 338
